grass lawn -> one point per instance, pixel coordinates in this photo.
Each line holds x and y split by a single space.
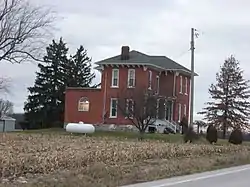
171 138
105 159
112 134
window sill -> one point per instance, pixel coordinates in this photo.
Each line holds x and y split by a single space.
180 93
130 86
112 117
114 86
186 94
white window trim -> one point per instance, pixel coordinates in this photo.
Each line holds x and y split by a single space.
186 85
129 71
181 84
81 101
150 80
158 84
110 108
112 83
127 100
185 110
179 112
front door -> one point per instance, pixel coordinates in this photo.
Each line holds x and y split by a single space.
161 109
168 110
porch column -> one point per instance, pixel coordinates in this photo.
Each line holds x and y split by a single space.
172 111
165 107
157 108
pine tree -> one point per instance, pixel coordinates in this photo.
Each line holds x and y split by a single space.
78 70
230 107
45 104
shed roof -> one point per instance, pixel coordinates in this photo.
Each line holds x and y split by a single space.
7 118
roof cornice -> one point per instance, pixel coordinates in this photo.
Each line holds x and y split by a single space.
143 64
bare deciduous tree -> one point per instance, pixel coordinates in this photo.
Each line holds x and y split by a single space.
23 30
4 84
138 105
6 107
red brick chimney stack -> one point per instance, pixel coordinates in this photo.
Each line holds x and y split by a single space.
125 53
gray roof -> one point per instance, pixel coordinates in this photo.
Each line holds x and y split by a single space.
7 118
136 57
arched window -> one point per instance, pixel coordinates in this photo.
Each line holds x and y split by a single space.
83 104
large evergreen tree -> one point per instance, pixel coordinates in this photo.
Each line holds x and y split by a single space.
78 70
45 102
230 106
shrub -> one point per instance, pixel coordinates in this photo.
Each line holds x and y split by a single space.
212 135
190 135
24 125
236 137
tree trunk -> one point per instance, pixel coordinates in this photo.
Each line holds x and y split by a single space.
141 135
224 131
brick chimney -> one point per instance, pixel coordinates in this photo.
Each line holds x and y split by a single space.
125 53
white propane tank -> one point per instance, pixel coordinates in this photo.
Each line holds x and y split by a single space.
80 128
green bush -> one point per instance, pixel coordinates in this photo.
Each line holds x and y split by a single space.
212 136
190 135
236 137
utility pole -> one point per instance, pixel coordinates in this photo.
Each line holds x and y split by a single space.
192 78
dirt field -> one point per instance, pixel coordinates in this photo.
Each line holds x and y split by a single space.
64 160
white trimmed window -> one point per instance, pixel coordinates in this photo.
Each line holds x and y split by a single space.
131 78
186 85
185 110
115 78
157 84
179 112
181 84
113 107
83 104
150 80
129 108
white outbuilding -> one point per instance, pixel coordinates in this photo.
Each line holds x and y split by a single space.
7 124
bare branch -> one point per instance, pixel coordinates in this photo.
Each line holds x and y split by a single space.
139 106
4 84
6 107
24 29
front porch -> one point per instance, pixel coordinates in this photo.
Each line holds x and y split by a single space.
165 108
165 115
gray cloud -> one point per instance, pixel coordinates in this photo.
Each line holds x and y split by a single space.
155 27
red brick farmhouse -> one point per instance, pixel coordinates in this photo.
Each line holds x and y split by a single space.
127 70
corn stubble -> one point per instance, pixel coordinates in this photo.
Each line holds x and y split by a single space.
22 154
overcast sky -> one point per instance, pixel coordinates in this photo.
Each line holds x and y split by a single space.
160 27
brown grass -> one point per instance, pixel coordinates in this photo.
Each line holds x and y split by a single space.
46 160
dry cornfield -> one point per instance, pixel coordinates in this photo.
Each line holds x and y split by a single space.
21 154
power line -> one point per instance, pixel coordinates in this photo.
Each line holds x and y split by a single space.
181 54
